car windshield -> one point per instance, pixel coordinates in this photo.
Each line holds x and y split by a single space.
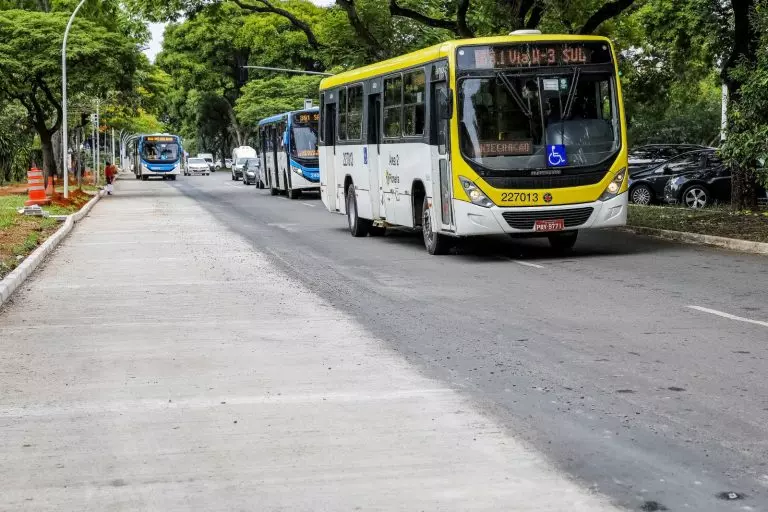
241 161
304 137
252 163
160 151
197 161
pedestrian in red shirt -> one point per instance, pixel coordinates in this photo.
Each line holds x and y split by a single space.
110 172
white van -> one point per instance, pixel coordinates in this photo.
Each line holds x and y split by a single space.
239 156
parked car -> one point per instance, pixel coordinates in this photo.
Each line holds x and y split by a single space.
651 155
228 163
197 166
697 186
251 171
646 186
208 157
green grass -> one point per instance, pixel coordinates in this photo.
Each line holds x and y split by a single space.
719 221
8 207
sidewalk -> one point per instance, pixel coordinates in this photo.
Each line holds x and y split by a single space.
155 363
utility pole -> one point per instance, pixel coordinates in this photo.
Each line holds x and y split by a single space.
64 149
98 156
113 147
93 142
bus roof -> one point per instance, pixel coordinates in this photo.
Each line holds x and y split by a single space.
440 50
284 115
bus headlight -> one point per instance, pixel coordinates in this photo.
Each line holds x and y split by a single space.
613 188
475 195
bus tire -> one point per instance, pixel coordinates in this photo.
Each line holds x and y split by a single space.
377 231
357 226
435 243
138 176
273 191
144 177
563 241
173 177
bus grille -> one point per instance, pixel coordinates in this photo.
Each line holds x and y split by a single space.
525 219
539 182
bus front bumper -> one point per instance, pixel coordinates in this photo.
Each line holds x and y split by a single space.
472 220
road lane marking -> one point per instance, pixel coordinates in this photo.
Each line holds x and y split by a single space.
310 205
527 264
729 316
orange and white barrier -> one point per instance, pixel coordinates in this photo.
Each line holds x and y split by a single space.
36 188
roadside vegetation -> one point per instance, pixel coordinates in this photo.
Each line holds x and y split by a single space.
19 235
716 221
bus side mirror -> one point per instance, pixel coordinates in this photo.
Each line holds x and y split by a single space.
445 104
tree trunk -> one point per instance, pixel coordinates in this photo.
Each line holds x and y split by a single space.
49 160
743 189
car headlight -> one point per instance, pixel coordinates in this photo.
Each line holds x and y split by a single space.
614 187
475 195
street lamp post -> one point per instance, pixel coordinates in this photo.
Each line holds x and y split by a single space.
64 149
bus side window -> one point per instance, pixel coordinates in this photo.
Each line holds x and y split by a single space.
413 100
342 134
393 107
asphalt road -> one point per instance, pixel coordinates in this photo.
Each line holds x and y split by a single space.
638 366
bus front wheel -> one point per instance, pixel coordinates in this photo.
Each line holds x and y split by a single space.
357 226
435 243
563 241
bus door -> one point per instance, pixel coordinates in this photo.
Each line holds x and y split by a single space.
274 176
372 153
329 120
442 107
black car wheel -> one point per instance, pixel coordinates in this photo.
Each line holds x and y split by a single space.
696 196
642 194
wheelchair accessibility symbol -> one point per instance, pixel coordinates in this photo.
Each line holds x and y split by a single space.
556 156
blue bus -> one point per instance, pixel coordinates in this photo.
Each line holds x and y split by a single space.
289 152
159 154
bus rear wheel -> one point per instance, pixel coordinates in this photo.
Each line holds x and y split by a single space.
435 243
563 241
357 226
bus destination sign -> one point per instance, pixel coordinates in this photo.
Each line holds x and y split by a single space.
313 117
159 138
506 148
533 55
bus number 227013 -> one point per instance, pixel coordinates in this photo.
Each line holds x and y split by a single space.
519 197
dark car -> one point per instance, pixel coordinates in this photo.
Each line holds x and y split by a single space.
697 186
651 155
646 186
251 171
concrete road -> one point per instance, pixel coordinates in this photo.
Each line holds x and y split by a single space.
636 366
160 361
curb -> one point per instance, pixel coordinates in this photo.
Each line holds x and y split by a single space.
733 244
15 279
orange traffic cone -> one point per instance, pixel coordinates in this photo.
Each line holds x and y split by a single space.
50 190
36 188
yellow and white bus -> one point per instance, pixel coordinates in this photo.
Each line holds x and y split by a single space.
521 134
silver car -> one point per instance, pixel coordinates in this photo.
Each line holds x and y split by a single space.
197 166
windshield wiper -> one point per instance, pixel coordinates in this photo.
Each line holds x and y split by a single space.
507 83
571 93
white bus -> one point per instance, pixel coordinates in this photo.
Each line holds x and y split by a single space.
521 134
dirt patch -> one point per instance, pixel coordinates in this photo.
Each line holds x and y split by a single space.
77 199
13 189
20 239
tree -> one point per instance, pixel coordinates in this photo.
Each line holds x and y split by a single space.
30 63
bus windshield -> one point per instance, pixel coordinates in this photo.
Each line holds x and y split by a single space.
531 117
304 139
160 152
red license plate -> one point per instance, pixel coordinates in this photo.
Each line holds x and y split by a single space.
549 225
